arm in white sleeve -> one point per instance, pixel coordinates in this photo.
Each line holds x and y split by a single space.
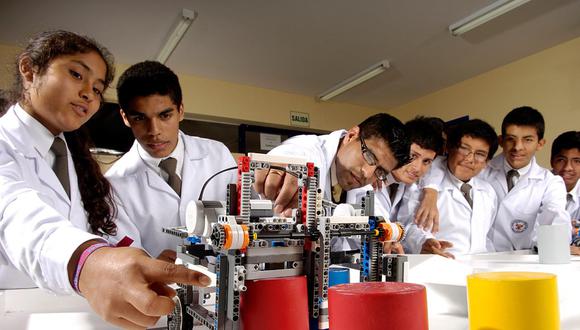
553 208
34 237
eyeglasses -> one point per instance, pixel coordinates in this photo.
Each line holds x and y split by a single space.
371 159
478 156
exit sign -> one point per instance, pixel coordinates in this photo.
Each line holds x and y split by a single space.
301 119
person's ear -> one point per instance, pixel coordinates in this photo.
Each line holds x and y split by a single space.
27 72
125 119
351 134
181 112
500 140
540 144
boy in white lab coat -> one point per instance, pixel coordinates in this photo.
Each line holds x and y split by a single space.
165 169
346 160
565 161
467 204
426 143
529 194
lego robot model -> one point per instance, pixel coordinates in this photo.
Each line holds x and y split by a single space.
241 239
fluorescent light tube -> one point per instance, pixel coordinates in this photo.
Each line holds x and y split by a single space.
187 17
484 15
353 81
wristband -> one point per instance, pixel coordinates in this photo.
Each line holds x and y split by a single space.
86 253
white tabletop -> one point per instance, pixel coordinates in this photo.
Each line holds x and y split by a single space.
445 280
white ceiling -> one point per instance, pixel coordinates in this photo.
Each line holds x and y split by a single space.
307 46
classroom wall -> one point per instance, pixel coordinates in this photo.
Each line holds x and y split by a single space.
548 81
229 102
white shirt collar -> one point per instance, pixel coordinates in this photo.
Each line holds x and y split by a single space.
40 137
456 182
522 171
153 162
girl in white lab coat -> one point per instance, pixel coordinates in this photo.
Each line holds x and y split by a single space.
51 228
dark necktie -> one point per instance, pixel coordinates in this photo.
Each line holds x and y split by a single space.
393 191
60 165
169 165
569 199
511 175
465 190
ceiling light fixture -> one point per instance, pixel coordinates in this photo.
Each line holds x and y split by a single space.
187 17
484 15
353 81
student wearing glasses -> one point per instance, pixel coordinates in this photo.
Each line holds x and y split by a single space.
467 204
346 159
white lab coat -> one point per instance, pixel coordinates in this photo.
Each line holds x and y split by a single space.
573 207
146 203
37 238
461 225
383 205
320 150
538 198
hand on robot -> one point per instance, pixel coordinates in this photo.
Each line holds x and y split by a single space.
427 215
393 248
433 246
129 289
575 250
279 187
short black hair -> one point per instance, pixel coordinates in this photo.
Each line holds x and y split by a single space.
565 141
477 129
392 131
525 116
426 132
145 79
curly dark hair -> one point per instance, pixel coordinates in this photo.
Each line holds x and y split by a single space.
148 78
94 188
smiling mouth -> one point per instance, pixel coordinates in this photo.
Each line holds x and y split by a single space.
157 145
80 109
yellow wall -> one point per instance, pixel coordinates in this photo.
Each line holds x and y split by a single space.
224 101
548 81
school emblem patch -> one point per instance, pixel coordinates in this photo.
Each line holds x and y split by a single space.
519 226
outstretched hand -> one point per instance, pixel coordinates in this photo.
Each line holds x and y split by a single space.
128 288
433 246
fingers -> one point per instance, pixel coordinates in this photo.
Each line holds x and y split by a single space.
136 319
398 248
288 194
145 301
445 244
273 184
163 290
168 256
387 247
259 180
165 272
435 221
125 324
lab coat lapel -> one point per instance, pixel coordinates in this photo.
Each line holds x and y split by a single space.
49 178
21 141
192 171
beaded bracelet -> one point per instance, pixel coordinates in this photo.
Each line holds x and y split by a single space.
86 253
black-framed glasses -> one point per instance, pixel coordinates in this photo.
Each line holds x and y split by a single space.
478 156
371 159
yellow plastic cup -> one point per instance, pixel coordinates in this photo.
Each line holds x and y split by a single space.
513 301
